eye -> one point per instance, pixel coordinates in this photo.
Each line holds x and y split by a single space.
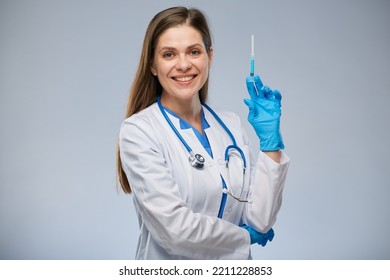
194 52
168 54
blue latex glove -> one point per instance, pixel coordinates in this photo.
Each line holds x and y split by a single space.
264 113
258 237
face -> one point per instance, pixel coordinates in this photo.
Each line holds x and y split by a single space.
181 62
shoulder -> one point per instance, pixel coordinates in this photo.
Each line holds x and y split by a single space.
145 117
227 117
142 122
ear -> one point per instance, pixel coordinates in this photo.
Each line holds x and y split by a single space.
153 70
211 56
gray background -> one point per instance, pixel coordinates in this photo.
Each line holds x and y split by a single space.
65 71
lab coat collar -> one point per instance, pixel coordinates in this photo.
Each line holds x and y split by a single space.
186 125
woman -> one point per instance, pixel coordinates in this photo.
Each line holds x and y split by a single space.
185 205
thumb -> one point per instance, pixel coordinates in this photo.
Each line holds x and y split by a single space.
252 108
249 103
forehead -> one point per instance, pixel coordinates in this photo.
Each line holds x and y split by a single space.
179 36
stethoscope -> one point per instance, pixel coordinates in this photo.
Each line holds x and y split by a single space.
198 161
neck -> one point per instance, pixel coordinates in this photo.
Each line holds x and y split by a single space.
187 109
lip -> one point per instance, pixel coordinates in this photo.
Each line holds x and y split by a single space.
184 79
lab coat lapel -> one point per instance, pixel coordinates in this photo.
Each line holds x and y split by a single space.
216 136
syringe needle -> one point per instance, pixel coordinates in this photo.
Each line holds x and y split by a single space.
252 70
253 46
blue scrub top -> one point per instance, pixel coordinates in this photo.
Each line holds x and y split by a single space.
202 137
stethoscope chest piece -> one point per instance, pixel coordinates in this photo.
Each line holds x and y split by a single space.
196 161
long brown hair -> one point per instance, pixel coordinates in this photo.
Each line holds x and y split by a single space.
146 87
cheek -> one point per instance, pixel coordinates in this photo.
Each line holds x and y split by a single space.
206 65
163 68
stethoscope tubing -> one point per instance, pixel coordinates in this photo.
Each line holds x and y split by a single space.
192 154
173 127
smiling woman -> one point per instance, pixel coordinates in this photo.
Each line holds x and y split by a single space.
182 159
181 64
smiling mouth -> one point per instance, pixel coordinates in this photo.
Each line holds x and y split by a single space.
184 79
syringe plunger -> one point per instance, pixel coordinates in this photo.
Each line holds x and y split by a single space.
252 70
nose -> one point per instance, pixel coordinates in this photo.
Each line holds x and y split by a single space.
183 63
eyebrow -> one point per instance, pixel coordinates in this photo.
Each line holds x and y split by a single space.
189 47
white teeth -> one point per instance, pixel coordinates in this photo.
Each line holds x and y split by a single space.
184 79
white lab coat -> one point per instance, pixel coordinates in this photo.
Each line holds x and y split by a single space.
177 205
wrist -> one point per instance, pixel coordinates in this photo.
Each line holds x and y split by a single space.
276 156
271 144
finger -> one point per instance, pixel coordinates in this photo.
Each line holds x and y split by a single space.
251 86
263 242
266 92
258 82
270 234
277 94
277 97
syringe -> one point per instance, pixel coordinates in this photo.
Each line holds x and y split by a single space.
252 70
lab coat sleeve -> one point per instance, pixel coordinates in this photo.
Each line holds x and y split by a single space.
266 189
173 225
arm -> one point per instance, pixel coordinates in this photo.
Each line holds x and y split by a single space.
274 155
270 171
266 189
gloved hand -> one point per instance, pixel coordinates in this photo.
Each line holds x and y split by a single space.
258 237
264 113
